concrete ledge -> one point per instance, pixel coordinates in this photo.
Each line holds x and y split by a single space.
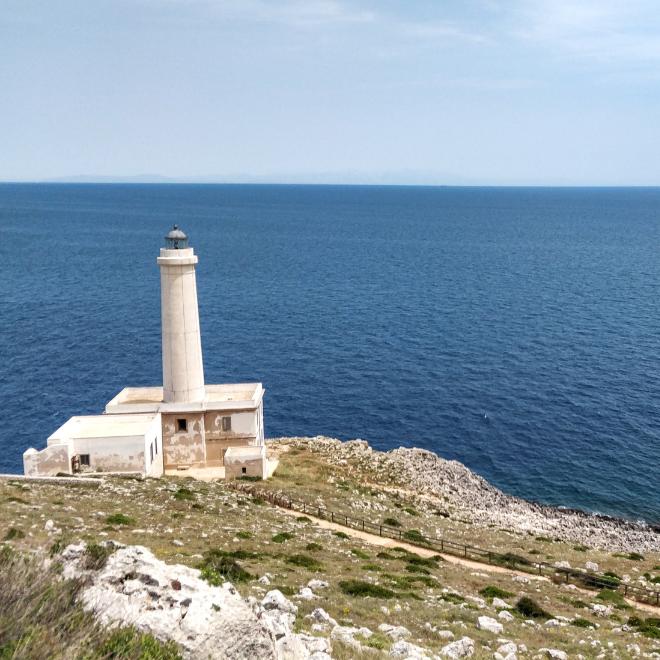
83 481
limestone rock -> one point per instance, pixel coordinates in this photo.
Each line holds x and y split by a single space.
555 654
461 648
394 632
500 604
505 616
172 603
409 651
489 624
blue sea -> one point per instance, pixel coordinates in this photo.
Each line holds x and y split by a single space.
514 329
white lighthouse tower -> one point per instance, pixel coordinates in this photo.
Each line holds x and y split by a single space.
183 371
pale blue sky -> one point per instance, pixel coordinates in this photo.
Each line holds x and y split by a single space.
409 91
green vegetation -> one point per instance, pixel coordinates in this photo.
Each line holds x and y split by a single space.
613 598
282 537
633 556
531 609
491 592
415 536
341 535
14 533
41 618
220 565
304 561
244 535
96 556
361 554
649 627
409 510
313 547
391 522
510 559
119 519
579 622
364 589
580 548
184 494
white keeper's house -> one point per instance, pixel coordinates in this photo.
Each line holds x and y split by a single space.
183 427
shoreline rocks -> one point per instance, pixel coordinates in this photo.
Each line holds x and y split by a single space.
454 486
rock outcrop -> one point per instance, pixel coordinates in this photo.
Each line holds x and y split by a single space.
453 485
173 603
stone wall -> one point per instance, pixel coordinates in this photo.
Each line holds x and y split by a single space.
47 462
183 447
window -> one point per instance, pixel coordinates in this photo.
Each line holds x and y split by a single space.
156 444
243 470
84 459
226 423
151 451
181 424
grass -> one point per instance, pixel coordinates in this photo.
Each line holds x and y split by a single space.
633 556
362 589
304 561
119 519
530 609
243 535
313 547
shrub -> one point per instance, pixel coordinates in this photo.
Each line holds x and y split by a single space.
415 536
305 561
385 555
14 533
391 522
376 641
451 597
648 627
96 556
613 598
341 535
184 493
510 559
633 556
313 547
428 562
372 567
531 609
409 510
491 592
282 537
580 548
119 519
359 553
244 535
217 568
303 519
365 589
582 623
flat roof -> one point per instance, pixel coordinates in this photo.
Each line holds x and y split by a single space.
218 397
104 426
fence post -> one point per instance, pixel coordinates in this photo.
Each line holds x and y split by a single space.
380 530
332 515
363 524
489 561
465 551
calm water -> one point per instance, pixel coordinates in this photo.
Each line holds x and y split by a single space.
516 330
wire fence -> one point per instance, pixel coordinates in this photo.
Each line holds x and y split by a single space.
578 577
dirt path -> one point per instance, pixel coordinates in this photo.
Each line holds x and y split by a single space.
386 542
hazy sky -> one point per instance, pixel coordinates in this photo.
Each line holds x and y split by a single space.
465 91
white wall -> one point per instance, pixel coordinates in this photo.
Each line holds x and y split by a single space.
154 438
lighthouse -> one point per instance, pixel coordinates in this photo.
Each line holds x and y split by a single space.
183 371
186 427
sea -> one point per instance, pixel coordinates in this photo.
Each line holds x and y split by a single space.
516 330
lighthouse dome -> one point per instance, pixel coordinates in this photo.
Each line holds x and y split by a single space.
176 239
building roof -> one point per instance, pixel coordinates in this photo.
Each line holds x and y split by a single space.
103 426
233 396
